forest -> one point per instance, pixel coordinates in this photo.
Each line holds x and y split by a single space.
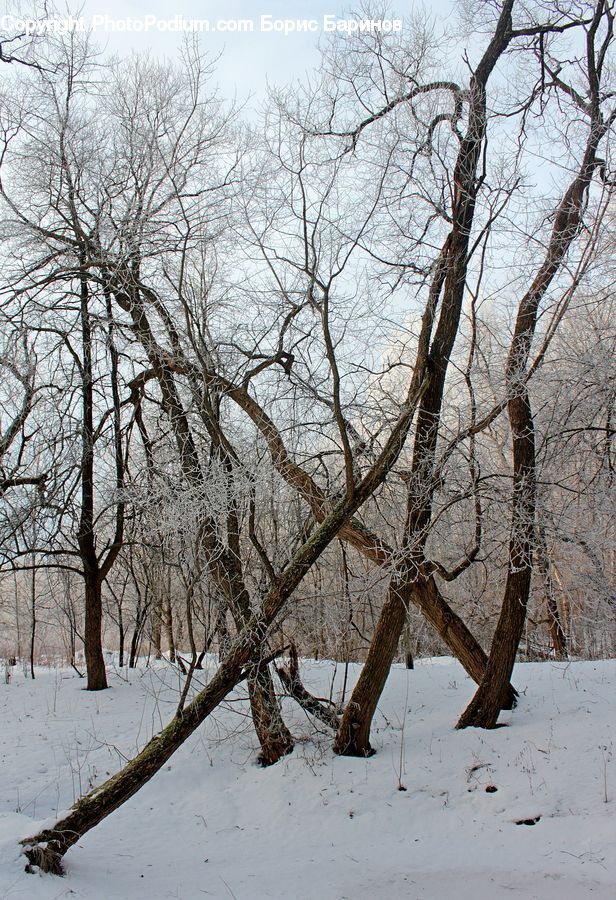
329 382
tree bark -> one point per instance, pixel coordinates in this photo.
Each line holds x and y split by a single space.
156 627
486 705
33 617
353 737
93 645
47 848
274 737
557 633
168 615
407 644
121 637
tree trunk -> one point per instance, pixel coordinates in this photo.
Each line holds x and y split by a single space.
353 737
559 641
157 628
489 700
136 637
48 847
93 646
316 707
566 619
168 613
95 663
407 640
121 637
224 638
485 707
274 736
448 280
557 634
33 617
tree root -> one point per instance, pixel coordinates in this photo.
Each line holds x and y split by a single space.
42 857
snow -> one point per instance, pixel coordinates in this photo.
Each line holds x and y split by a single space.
213 824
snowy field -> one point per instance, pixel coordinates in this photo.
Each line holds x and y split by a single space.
212 824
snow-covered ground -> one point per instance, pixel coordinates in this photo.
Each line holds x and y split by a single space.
213 824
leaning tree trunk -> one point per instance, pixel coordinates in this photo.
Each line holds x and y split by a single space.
47 848
353 737
485 707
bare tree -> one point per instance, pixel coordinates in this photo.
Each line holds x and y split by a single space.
301 362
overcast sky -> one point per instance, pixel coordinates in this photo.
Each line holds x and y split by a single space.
249 60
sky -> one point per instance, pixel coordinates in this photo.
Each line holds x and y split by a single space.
249 60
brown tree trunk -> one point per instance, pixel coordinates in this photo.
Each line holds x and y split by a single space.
168 615
489 699
407 643
134 645
95 663
33 617
48 847
565 620
274 736
559 641
485 707
353 737
140 619
93 645
121 637
324 710
557 634
156 625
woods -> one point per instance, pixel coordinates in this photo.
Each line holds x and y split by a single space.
335 380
